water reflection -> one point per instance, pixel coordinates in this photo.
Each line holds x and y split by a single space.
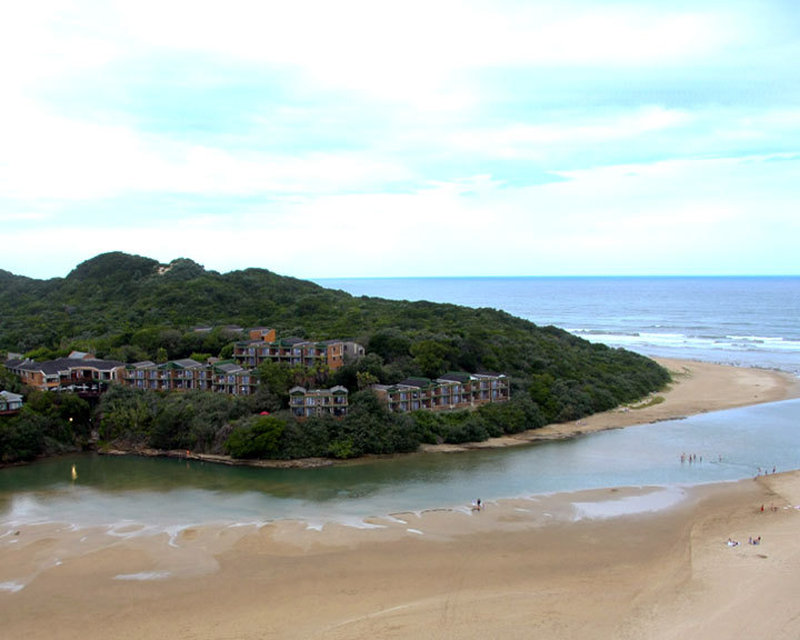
733 445
360 479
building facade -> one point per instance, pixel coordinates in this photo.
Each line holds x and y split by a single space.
264 346
10 403
80 372
305 403
187 374
455 390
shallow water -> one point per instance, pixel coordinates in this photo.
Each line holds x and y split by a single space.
167 493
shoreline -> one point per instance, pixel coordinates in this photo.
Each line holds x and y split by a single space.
628 562
297 463
697 387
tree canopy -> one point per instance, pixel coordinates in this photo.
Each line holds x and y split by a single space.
132 308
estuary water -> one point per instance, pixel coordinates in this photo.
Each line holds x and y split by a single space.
110 491
744 321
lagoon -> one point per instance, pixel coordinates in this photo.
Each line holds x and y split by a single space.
167 493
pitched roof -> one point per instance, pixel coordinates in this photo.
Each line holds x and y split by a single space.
318 392
187 363
456 376
415 382
59 365
228 367
144 364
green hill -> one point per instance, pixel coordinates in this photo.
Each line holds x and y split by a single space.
131 308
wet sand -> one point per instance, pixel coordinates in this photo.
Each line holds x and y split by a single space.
595 564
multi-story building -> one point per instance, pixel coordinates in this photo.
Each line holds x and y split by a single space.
482 387
10 403
304 403
187 374
88 375
80 372
340 352
262 334
263 346
453 390
233 379
176 375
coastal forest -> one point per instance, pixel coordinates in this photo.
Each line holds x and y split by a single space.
132 308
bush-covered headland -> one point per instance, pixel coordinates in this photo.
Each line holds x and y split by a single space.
131 308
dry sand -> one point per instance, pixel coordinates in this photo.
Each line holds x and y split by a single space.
538 568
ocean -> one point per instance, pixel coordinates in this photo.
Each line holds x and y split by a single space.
745 321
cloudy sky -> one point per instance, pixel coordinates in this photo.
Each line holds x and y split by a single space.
367 138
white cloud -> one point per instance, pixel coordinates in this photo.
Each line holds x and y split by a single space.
373 96
446 34
415 52
50 39
23 216
50 156
662 218
522 139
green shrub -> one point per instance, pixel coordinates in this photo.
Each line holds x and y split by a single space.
258 439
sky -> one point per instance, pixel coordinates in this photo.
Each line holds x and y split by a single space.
375 139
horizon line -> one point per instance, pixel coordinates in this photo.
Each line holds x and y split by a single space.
611 275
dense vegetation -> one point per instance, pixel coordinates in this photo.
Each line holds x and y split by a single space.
49 423
131 308
241 427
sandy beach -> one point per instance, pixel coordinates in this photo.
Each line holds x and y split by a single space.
591 564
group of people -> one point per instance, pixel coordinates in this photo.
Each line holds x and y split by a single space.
692 457
750 540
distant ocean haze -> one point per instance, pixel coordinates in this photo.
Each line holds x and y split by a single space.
742 320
